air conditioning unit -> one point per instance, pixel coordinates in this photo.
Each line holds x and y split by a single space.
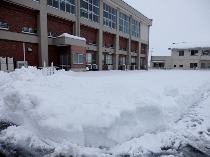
51 34
94 66
90 42
25 29
19 64
89 66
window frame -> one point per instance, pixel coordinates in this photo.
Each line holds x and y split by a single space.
193 51
181 53
78 58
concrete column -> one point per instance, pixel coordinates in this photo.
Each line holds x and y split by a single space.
138 55
77 22
116 44
128 58
100 36
42 33
147 49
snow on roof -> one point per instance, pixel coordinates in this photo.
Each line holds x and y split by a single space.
186 45
71 36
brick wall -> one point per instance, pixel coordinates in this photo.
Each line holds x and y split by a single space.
123 42
88 33
134 45
15 49
58 25
79 50
17 16
143 48
108 39
53 55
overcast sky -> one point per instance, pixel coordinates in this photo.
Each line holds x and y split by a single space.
175 21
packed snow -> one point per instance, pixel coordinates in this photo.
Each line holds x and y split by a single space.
71 36
102 113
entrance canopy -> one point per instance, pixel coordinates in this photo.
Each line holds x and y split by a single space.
67 39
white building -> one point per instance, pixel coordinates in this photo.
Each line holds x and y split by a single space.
195 55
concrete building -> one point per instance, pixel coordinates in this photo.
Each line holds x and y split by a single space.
115 33
195 55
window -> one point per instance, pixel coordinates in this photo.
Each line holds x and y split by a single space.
121 60
174 66
29 30
109 60
193 65
109 16
205 65
78 58
124 23
88 57
4 26
133 61
205 52
135 28
64 5
181 53
194 52
181 66
89 9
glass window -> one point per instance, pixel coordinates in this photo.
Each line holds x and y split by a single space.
64 5
205 52
194 52
89 9
109 60
181 53
109 16
135 28
77 58
121 60
88 57
124 23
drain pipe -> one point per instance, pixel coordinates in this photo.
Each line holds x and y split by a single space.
24 54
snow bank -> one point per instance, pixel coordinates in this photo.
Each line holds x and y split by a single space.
98 108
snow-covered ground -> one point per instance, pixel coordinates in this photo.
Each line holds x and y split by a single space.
106 113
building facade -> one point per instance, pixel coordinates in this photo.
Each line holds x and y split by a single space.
194 55
116 34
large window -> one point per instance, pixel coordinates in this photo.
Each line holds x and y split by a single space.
133 61
124 23
109 16
193 65
121 60
181 53
109 59
135 28
205 52
78 58
64 5
89 9
194 52
205 65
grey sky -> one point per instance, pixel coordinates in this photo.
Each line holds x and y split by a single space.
175 21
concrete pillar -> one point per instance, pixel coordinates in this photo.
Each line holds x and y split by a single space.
100 36
128 58
116 44
77 21
42 33
138 55
147 49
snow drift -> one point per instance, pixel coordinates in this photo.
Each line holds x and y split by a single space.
98 108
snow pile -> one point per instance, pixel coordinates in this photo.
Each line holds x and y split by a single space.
71 36
99 109
171 91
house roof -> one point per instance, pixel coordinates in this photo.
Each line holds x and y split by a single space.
187 45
